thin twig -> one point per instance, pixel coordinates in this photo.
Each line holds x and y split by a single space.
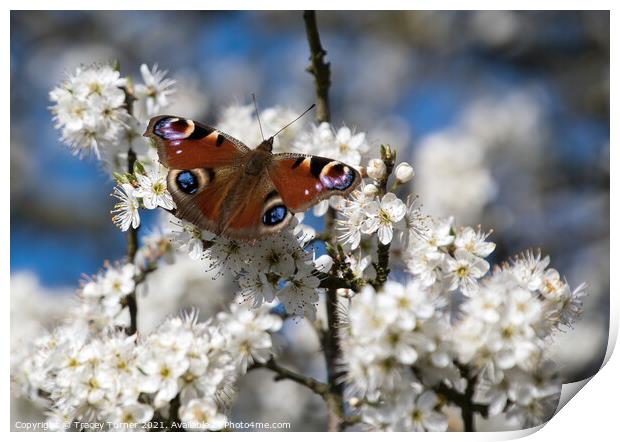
331 338
318 67
132 248
284 373
132 234
383 250
465 401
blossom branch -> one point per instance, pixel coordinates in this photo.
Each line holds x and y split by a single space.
334 282
383 250
132 233
331 340
284 373
464 400
318 67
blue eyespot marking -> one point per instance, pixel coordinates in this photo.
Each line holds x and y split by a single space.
338 176
187 182
275 215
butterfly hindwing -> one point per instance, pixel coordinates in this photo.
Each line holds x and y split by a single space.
255 209
304 180
202 162
199 194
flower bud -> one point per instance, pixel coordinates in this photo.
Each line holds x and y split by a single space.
355 402
370 190
376 169
404 172
324 263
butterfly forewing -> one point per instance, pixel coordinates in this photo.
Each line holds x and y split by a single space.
185 144
304 180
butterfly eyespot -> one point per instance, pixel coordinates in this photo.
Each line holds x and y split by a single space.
275 215
187 182
173 128
337 176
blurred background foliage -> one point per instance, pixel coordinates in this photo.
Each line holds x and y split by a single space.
504 115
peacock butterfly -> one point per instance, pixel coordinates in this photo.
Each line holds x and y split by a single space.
221 185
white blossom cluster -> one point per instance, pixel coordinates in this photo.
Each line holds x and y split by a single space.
277 267
128 381
101 297
144 188
406 340
103 113
366 213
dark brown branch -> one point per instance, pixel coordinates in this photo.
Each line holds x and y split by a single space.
132 248
331 338
318 68
284 373
335 282
332 352
132 234
383 250
465 401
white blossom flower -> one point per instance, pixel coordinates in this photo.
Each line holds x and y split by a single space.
414 224
382 217
552 286
299 294
570 306
529 268
274 255
353 218
321 208
441 234
404 172
275 118
202 415
324 263
426 264
343 145
464 270
153 190
376 169
420 414
370 190
350 147
257 286
248 334
239 121
160 375
400 339
126 212
474 242
152 95
119 281
189 239
130 414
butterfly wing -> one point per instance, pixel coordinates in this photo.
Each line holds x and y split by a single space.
184 144
255 209
202 163
304 180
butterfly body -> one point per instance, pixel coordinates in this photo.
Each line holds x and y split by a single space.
221 185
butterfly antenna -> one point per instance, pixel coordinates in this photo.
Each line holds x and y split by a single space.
258 117
303 113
